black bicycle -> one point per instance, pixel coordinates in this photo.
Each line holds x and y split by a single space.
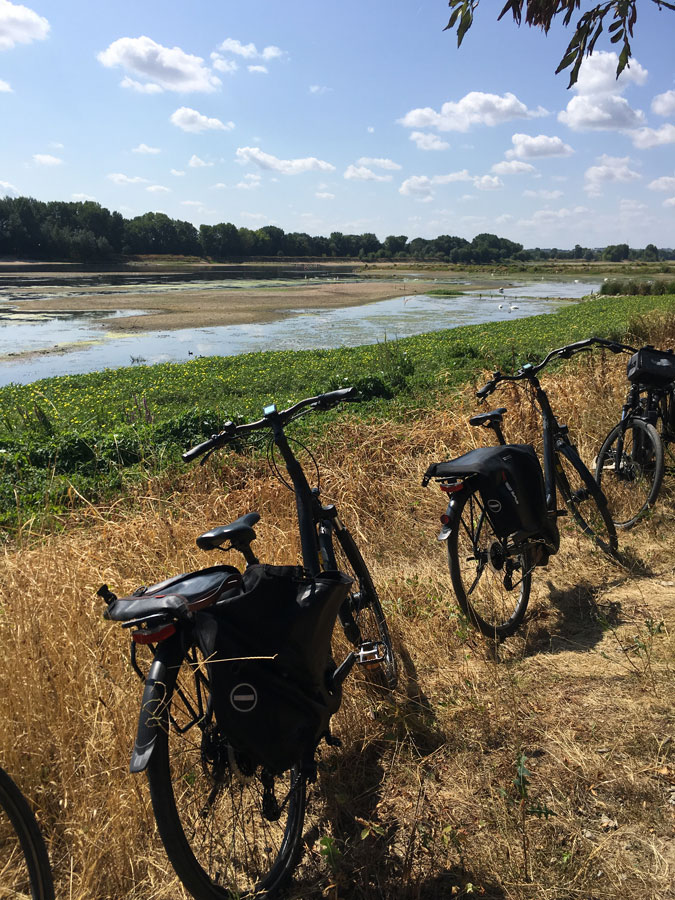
501 520
231 824
24 863
631 463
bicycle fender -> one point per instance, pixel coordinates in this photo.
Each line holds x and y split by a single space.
446 530
154 694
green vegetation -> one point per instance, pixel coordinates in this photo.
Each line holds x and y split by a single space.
66 438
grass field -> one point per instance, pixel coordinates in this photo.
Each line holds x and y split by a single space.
544 771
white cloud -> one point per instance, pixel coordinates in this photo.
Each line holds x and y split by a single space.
158 189
177 172
664 183
285 166
664 104
646 138
195 203
190 120
601 112
379 163
597 74
143 148
426 141
229 66
488 183
250 51
5 87
421 187
512 167
526 146
196 162
545 217
20 25
119 178
8 190
46 159
147 88
669 202
260 70
219 186
543 194
250 182
318 89
83 197
363 173
598 104
370 129
324 195
476 108
612 169
169 67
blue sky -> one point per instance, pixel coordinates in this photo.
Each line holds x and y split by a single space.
349 117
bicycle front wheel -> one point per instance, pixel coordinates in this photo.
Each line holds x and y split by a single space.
584 499
24 865
363 617
629 469
230 828
490 577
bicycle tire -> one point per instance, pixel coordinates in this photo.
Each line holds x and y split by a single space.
25 863
631 488
208 800
364 607
584 499
482 574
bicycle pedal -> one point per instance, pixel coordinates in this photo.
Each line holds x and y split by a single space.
369 655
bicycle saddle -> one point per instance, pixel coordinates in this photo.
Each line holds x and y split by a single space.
487 418
239 533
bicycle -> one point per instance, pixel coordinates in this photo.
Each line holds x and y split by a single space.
631 463
232 827
494 543
24 863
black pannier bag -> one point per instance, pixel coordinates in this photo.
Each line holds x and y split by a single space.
511 486
268 652
651 367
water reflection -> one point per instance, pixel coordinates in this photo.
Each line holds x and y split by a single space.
302 329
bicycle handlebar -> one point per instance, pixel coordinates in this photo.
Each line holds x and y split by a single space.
230 430
530 371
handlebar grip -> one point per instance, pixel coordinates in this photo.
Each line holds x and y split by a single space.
486 390
338 396
204 447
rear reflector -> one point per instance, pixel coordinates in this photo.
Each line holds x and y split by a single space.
156 636
452 488
445 519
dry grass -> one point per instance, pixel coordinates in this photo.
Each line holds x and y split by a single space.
421 800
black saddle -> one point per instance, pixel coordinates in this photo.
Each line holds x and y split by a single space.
487 418
239 533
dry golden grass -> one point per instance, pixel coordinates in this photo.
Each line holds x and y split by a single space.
420 802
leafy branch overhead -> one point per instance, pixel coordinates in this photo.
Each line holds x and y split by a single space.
541 13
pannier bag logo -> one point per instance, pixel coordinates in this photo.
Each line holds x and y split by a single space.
495 506
244 697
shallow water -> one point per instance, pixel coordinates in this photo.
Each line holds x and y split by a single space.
96 349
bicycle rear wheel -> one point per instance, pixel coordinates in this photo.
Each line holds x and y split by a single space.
584 499
629 469
24 864
491 578
230 829
363 617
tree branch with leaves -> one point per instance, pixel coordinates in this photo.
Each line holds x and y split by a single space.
541 13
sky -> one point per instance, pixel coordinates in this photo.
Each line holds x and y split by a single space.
352 117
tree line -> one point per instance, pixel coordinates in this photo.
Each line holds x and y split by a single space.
88 232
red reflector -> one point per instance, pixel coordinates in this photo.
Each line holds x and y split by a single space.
153 637
445 519
451 488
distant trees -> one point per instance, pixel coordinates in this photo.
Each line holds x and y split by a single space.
88 232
